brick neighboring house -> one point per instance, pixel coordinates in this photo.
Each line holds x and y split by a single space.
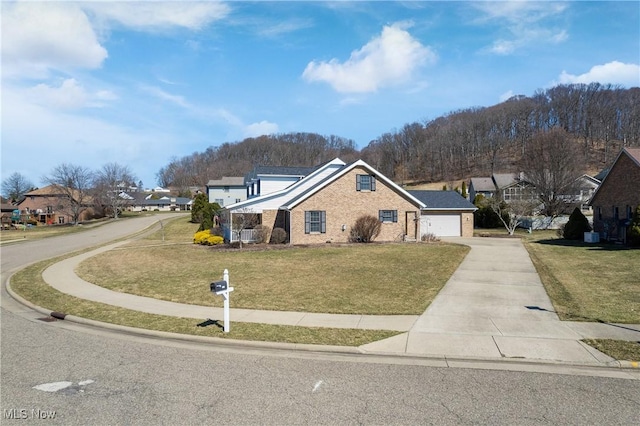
49 205
617 197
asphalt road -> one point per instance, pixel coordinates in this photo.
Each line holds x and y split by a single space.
128 379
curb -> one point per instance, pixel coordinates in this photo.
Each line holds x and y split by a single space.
184 337
302 347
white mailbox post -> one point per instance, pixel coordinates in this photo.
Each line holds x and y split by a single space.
221 288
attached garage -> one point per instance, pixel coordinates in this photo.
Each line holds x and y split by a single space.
447 214
442 225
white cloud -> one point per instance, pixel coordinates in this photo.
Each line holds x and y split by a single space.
41 36
610 73
527 22
261 128
166 96
388 59
152 15
68 95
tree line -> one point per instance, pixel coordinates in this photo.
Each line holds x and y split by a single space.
599 119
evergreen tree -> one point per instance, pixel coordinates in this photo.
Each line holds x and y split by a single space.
634 230
577 225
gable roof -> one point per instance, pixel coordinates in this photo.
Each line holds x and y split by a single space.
443 200
632 153
322 176
282 195
278 171
483 184
227 181
341 172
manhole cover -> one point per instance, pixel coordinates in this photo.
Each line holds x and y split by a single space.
47 319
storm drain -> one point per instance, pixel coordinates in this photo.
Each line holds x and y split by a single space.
47 319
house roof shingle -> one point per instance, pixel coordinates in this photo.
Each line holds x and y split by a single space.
227 181
443 200
483 184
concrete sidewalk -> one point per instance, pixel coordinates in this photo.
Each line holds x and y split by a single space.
493 307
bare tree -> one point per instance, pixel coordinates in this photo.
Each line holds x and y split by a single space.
553 163
513 213
242 219
74 183
15 186
110 181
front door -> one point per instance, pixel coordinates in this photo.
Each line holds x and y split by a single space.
411 226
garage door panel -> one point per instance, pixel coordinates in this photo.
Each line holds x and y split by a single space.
440 225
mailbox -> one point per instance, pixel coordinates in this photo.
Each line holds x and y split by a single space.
218 286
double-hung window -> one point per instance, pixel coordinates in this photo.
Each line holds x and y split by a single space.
388 216
315 222
365 183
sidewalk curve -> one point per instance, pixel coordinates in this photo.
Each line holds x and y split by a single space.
493 307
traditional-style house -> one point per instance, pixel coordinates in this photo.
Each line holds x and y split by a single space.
323 206
50 205
615 201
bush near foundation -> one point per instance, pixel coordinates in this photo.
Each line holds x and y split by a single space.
365 230
278 236
206 239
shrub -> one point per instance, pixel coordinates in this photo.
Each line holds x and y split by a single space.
278 236
577 225
261 233
365 230
206 239
430 238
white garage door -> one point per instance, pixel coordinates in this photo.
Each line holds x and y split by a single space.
445 225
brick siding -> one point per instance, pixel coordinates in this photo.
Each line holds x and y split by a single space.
621 188
343 205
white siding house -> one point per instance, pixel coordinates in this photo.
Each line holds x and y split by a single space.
226 191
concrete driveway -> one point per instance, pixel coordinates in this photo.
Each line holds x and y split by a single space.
494 306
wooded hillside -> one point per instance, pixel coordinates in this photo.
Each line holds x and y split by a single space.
461 144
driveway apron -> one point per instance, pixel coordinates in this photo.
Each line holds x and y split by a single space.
493 306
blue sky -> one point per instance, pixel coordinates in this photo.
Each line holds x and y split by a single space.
139 83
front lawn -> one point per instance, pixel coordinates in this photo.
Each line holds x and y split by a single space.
355 279
589 282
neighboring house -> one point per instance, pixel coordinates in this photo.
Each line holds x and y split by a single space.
446 214
618 196
511 186
585 187
139 202
49 206
6 214
226 191
514 187
264 180
481 186
323 206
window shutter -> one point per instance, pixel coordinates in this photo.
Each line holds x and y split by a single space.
380 216
358 182
307 222
373 182
395 215
323 222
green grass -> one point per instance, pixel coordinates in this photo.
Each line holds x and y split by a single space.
353 279
589 282
618 349
29 284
